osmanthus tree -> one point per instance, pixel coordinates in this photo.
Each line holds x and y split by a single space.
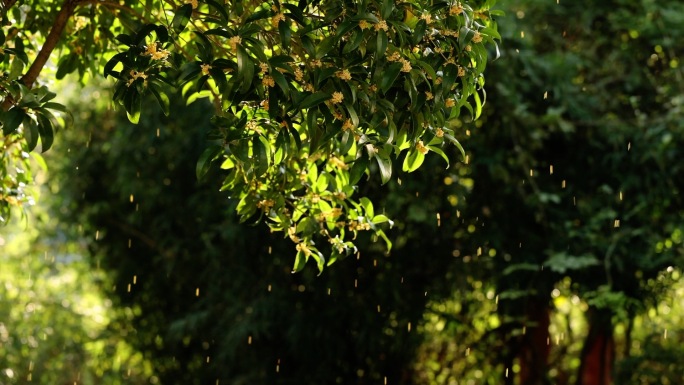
309 96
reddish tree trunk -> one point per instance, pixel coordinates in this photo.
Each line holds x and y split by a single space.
535 347
598 353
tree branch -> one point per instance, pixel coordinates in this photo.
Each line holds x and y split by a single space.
50 42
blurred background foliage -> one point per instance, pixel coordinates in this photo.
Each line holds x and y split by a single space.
551 256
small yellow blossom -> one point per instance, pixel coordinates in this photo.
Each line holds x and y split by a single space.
439 133
347 125
421 147
344 74
268 81
340 195
303 248
405 65
277 19
152 51
468 48
135 75
263 67
461 71
315 198
302 176
265 204
337 162
381 25
449 103
316 63
264 104
299 74
429 95
234 42
395 56
193 3
477 38
253 125
427 17
309 87
337 97
205 69
363 24
438 81
456 9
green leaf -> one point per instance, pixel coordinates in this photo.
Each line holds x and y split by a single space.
413 160
204 161
387 8
46 131
358 169
245 69
162 99
181 18
456 143
325 46
314 100
381 43
384 164
389 76
300 262
285 33
12 120
31 132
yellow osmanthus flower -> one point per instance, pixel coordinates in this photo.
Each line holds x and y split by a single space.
427 17
337 162
152 51
317 63
421 147
461 71
406 65
340 195
268 81
449 103
234 42
205 69
264 104
429 95
468 48
363 24
309 87
277 19
477 38
265 204
439 133
303 248
263 67
347 125
395 56
381 25
135 75
253 125
344 74
337 97
456 9
299 74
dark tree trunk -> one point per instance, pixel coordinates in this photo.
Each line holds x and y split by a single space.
535 347
598 353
